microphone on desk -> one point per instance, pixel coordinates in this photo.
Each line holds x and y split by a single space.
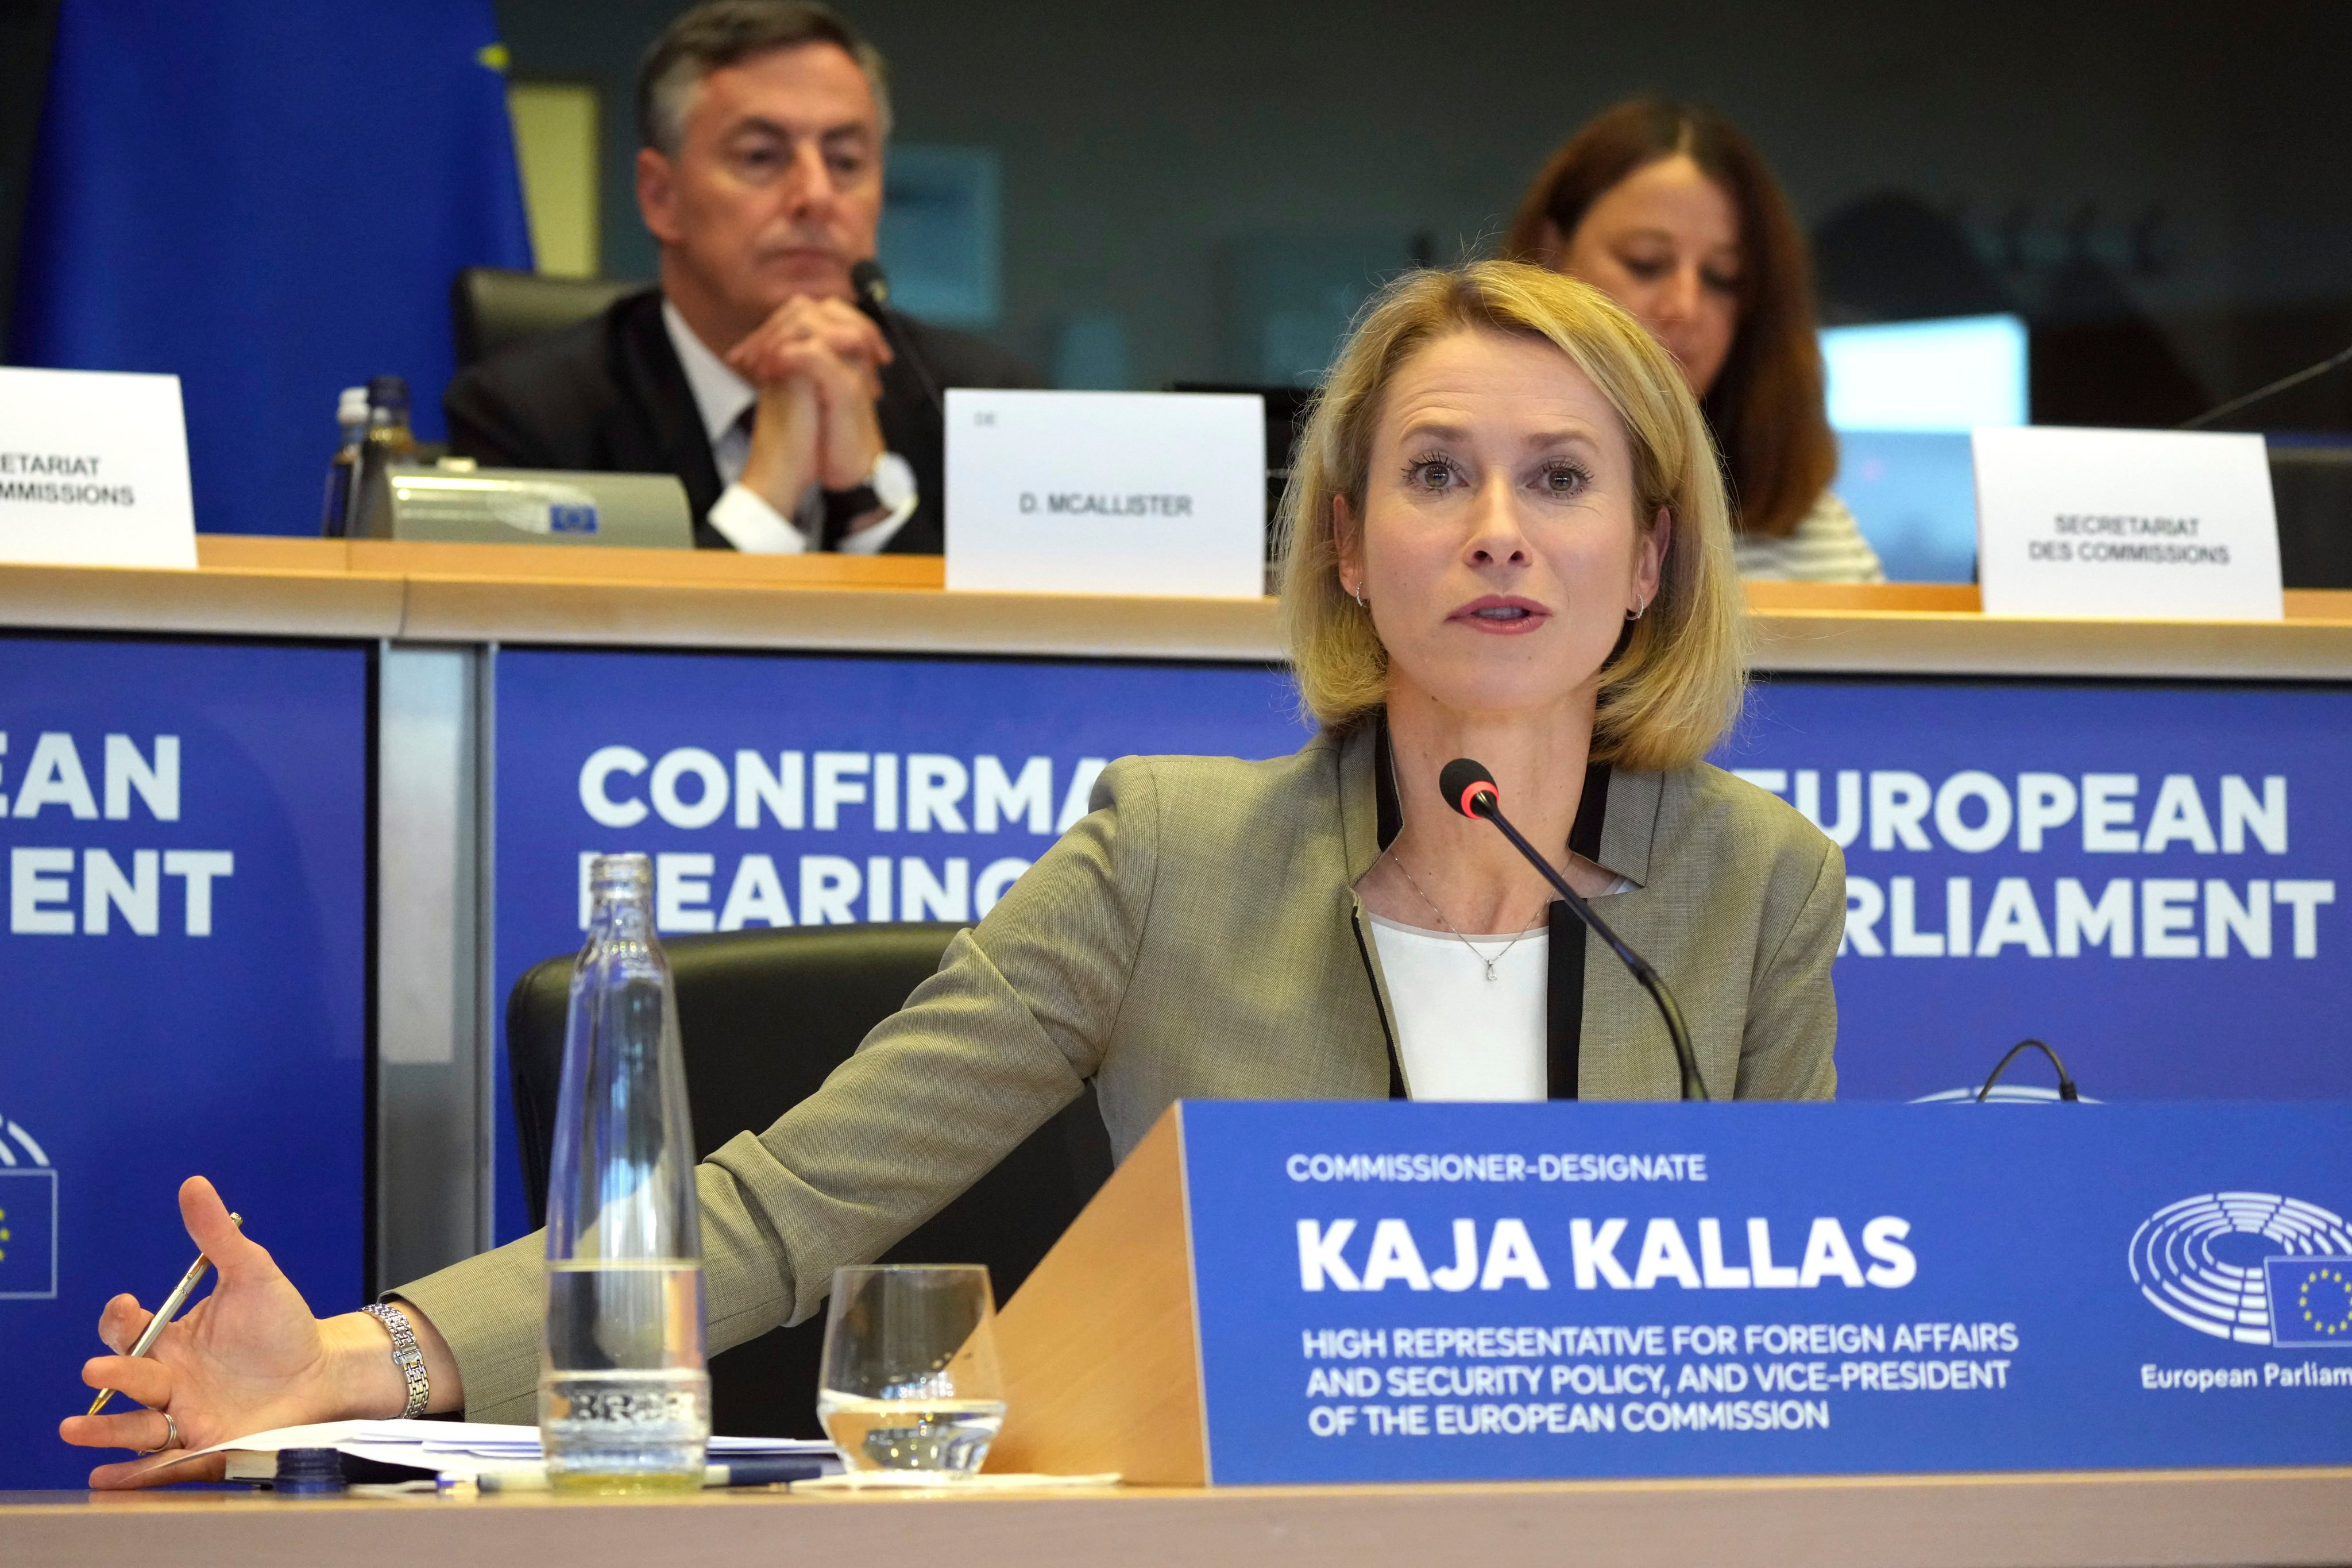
1469 788
2269 389
871 286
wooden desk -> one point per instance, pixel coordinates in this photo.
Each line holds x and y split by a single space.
1966 1521
371 589
437 607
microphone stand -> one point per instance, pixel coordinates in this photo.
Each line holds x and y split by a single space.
2306 374
1483 803
873 290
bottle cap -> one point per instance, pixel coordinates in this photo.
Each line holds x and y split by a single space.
389 393
621 876
352 408
309 1470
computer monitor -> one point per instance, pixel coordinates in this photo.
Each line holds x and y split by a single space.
1902 396
1945 376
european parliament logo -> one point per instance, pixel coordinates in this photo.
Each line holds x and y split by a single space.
28 1217
2254 1268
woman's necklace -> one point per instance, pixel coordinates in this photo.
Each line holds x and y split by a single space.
1450 926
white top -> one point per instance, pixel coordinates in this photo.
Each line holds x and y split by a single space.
1826 547
1462 1036
746 522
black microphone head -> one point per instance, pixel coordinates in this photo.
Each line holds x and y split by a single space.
1465 783
870 284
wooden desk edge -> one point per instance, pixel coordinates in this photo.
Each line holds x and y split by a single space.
2036 1520
268 587
1965 643
67 1501
876 619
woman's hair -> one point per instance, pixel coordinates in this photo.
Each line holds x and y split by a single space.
1674 681
1766 404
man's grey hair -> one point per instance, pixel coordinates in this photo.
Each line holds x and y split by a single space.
722 33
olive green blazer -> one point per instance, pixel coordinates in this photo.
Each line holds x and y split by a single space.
1198 936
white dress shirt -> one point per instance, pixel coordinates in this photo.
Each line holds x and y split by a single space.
741 516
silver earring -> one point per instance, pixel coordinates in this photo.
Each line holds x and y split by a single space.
1360 598
1640 608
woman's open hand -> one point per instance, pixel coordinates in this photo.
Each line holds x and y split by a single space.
246 1358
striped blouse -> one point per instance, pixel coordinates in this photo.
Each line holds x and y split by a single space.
1824 547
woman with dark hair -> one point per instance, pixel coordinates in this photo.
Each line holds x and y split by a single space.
1666 208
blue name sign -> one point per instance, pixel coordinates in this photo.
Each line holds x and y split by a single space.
1390 1292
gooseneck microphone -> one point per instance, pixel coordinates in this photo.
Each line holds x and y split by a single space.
872 287
1469 788
2066 1089
2341 357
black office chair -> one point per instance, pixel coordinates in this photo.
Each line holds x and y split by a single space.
492 308
765 1016
2312 488
1287 408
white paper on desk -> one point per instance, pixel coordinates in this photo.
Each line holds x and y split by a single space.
465 1448
2162 524
94 470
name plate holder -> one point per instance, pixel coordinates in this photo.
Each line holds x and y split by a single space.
1149 493
2164 524
94 470
1357 1292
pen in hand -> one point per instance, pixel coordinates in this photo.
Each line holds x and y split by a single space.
164 1314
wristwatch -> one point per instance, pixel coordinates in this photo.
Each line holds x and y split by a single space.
889 487
406 1355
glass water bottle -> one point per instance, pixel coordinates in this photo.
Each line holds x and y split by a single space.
625 1401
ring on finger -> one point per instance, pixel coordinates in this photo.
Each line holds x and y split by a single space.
171 1435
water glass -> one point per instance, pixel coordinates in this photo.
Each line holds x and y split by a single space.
909 1379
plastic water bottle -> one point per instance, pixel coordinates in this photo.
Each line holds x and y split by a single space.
351 415
625 1401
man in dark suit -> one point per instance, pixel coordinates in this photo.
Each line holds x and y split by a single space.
750 372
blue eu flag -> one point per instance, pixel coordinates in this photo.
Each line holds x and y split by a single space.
267 201
2311 1300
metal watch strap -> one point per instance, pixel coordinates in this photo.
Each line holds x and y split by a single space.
405 1355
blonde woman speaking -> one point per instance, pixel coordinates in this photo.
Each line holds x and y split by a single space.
1507 541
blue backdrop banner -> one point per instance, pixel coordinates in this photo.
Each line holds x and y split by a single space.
806 790
2144 876
1392 1292
184 829
271 202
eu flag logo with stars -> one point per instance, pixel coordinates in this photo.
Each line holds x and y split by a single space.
2311 1300
28 1233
